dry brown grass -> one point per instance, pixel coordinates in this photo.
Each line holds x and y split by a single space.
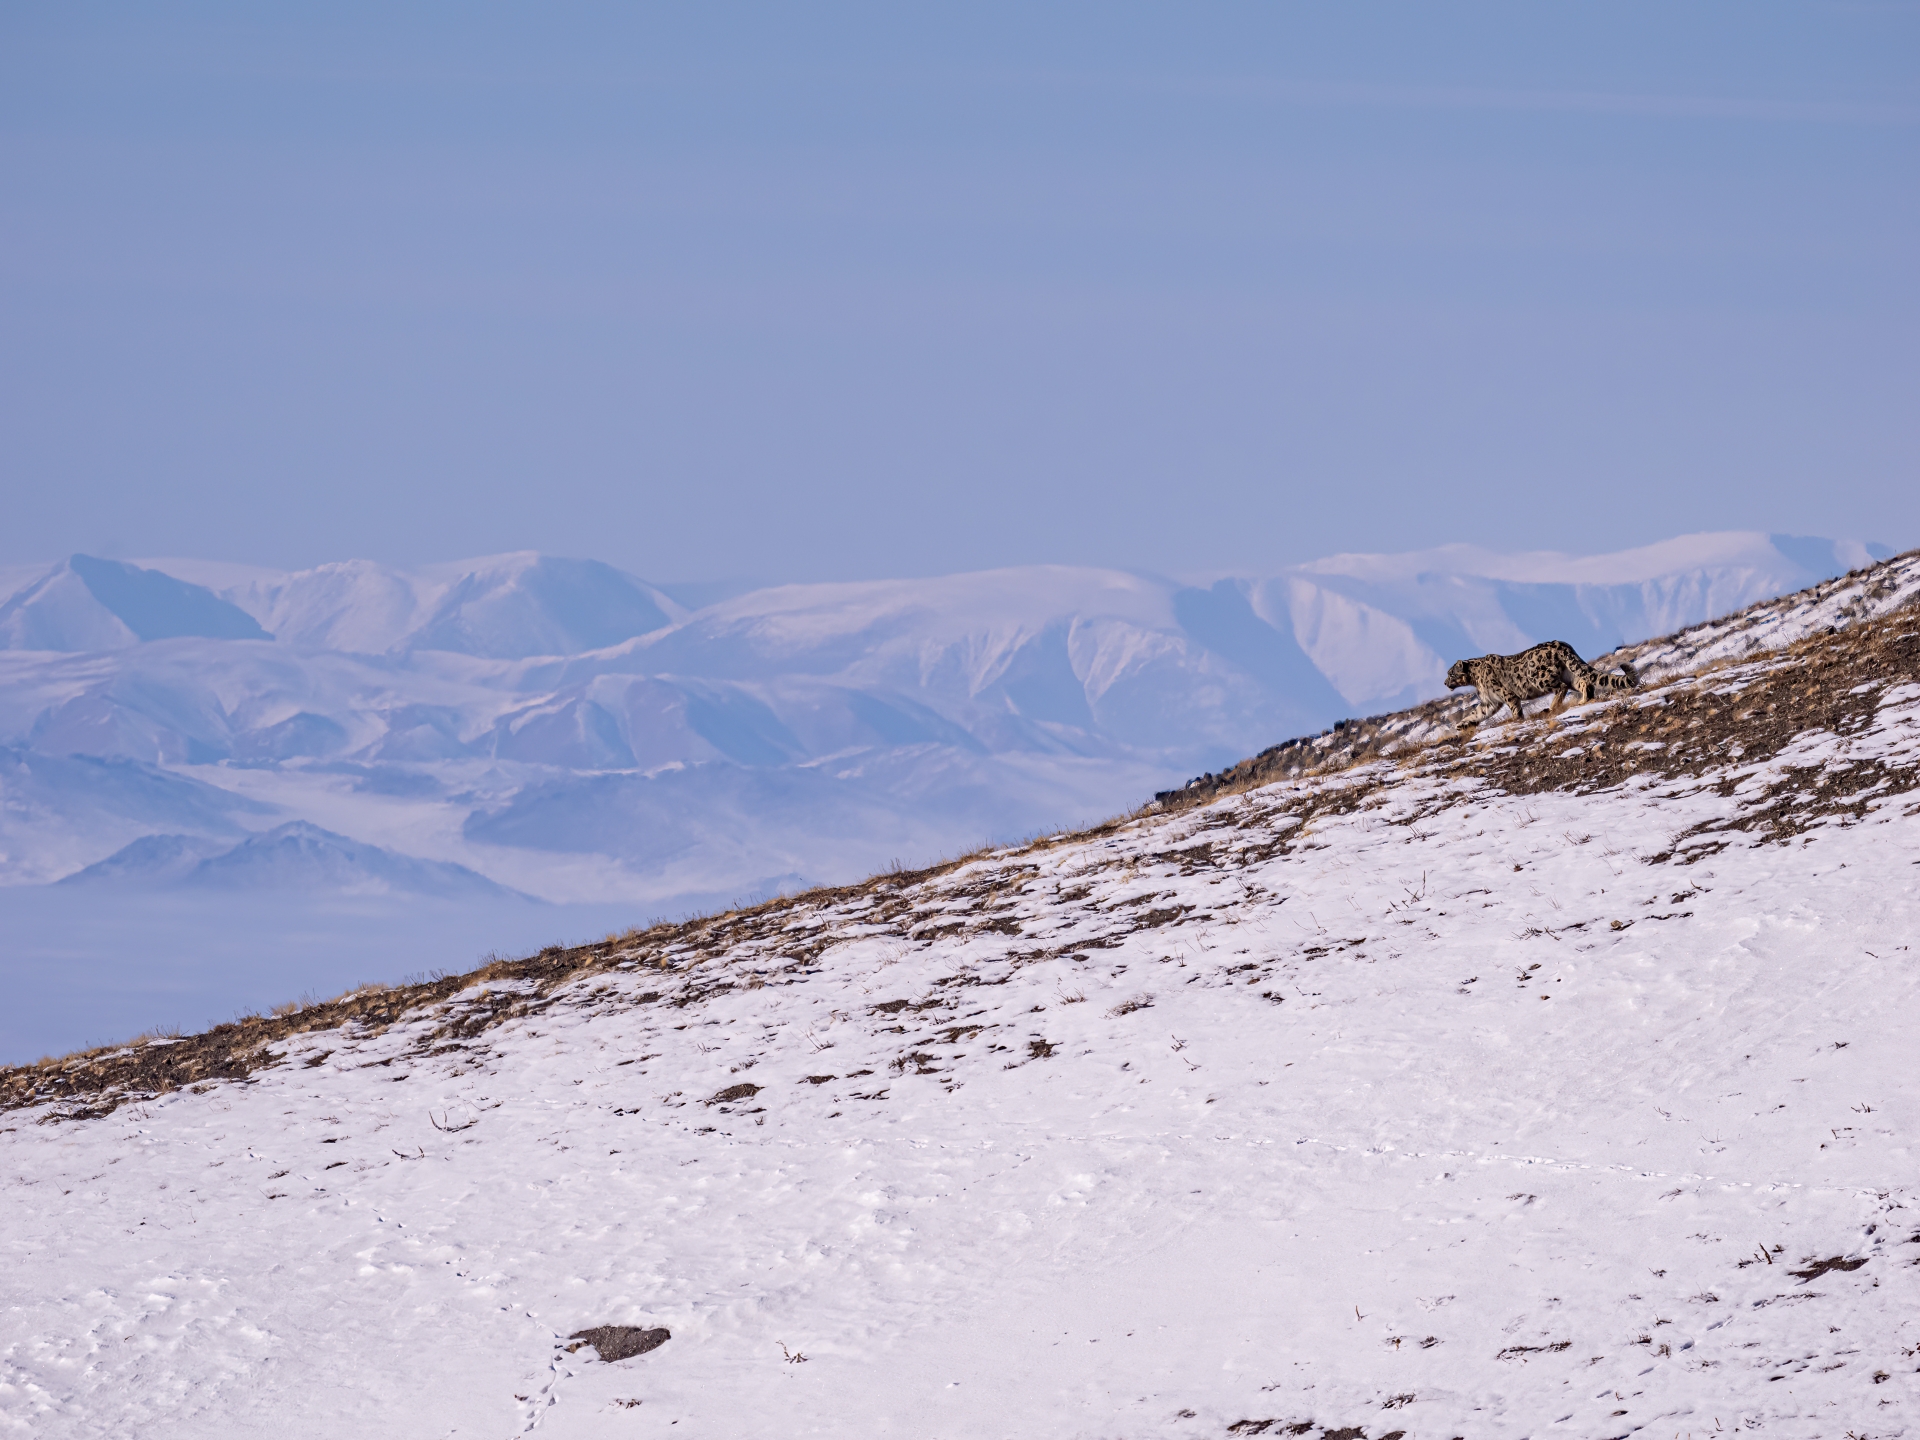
91 1083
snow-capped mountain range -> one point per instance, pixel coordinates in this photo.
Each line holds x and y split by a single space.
564 730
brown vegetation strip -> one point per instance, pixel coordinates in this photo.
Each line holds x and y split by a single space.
96 1082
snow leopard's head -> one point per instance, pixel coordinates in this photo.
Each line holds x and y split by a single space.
1457 676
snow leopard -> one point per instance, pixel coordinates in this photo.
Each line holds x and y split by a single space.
1552 668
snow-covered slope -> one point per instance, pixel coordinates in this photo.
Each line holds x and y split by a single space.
1551 1078
764 742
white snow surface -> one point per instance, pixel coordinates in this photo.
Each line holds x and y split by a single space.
1466 1115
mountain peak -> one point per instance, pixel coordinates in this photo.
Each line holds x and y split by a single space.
86 603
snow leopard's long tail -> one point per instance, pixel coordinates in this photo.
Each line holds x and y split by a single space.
1627 679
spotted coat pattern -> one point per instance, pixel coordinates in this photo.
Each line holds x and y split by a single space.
1552 668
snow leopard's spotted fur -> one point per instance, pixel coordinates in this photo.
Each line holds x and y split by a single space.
1553 668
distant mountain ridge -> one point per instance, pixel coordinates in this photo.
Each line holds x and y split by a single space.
88 604
504 607
296 856
568 730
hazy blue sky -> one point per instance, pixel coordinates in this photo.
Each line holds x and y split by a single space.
816 291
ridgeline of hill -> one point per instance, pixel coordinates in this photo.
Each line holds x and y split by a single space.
1824 652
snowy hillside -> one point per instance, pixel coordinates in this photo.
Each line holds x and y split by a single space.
1548 1078
669 761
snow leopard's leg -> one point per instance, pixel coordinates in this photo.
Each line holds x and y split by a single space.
1565 680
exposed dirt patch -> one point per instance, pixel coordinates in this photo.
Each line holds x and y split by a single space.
1154 919
1816 1268
1830 683
620 1342
1519 1352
